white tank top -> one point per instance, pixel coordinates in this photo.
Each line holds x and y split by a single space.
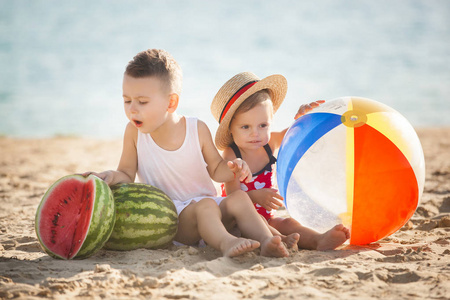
181 173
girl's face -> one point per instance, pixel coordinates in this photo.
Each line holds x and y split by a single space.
251 129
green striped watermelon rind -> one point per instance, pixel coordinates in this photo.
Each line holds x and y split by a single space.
101 222
145 218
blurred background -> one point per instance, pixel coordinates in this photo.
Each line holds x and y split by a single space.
61 62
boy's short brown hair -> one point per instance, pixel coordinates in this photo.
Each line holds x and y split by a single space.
158 63
252 101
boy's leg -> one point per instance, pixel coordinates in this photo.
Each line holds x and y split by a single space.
310 239
202 220
238 209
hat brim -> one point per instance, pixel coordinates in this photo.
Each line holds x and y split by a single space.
276 84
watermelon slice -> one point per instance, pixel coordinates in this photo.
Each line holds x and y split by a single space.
75 217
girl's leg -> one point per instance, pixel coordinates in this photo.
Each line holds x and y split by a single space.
311 239
202 220
290 240
238 209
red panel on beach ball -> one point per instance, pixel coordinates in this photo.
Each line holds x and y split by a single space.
385 187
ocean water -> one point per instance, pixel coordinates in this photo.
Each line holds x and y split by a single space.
61 62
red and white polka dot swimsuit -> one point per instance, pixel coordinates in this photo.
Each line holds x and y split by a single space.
261 179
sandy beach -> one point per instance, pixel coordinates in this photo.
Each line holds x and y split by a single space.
413 263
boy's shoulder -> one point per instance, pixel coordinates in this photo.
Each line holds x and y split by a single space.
131 132
204 134
202 127
199 122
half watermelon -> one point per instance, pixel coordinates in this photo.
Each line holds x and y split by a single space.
75 217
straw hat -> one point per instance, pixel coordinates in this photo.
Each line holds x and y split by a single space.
234 92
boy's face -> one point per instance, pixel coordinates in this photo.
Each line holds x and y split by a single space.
251 129
146 102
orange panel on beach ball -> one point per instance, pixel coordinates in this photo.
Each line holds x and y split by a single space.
385 187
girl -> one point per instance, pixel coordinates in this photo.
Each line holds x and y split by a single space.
244 108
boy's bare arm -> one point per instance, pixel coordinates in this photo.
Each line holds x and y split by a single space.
234 184
220 170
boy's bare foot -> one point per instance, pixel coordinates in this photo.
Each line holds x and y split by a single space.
238 246
291 240
333 238
274 247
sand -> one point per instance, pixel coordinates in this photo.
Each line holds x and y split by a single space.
411 264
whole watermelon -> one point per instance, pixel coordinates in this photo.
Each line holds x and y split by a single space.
75 217
145 218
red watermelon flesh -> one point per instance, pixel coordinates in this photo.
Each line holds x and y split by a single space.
66 215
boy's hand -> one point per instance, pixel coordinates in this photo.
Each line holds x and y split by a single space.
304 108
106 176
240 169
268 198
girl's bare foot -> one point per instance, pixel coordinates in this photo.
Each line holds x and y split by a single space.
291 240
237 246
333 238
274 247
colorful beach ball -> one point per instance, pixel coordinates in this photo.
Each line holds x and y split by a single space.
353 161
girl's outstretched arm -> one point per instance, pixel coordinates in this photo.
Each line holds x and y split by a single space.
277 137
304 108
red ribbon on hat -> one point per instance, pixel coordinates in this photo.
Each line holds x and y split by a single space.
233 98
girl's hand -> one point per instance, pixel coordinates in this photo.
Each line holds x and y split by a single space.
106 176
268 198
240 169
304 108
